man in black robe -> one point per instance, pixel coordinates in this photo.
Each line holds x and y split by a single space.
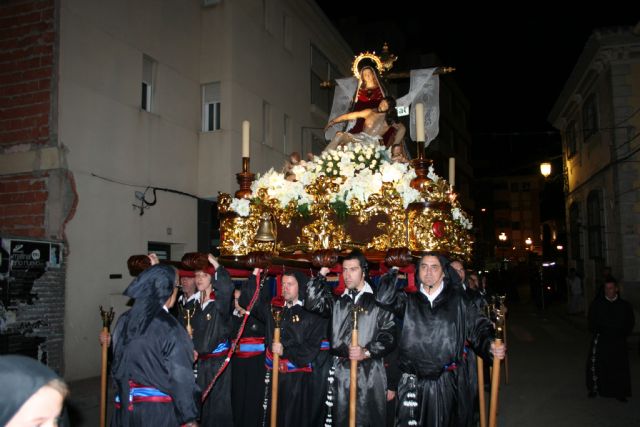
611 321
211 339
247 386
437 321
153 357
188 297
376 339
300 335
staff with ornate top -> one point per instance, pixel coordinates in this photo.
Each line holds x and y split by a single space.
495 376
353 383
107 318
277 307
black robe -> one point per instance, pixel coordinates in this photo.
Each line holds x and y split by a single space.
212 328
162 358
247 388
431 348
610 322
376 333
300 335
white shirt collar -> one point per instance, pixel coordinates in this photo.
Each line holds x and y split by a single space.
366 289
195 296
296 302
434 295
611 299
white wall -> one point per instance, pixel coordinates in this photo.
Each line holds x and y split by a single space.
106 133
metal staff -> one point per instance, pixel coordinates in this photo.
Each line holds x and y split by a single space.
353 384
107 318
504 336
277 306
495 376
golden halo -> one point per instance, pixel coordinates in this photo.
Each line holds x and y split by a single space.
366 55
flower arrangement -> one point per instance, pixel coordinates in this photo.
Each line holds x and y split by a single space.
358 171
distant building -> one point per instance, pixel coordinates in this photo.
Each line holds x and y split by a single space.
103 100
598 114
509 227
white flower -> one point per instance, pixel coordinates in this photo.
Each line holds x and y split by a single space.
360 158
240 206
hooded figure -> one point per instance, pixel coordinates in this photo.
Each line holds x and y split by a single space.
153 357
31 392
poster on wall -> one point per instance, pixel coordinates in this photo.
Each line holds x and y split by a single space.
21 263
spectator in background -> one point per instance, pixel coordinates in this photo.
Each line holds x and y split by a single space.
611 321
575 291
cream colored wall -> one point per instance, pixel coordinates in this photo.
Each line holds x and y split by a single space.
105 133
253 66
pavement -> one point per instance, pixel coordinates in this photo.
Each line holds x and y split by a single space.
547 352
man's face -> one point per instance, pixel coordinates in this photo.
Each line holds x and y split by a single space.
459 268
289 288
610 290
474 282
203 280
352 273
383 106
188 285
431 272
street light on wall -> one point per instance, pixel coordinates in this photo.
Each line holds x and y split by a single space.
502 237
545 169
528 241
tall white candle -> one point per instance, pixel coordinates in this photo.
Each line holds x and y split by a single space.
452 171
245 138
420 122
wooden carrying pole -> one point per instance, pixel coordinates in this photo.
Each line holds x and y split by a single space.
107 318
481 397
353 381
495 375
276 311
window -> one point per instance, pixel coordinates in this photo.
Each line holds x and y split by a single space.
286 132
526 186
163 250
589 117
266 124
515 225
594 226
287 38
574 231
148 72
211 107
266 14
570 136
322 70
514 186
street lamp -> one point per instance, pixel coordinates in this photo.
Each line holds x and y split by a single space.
545 169
502 237
528 241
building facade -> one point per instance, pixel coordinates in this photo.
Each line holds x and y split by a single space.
598 114
120 116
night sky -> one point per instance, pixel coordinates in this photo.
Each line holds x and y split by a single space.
511 70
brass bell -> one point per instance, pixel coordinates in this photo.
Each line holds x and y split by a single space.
266 229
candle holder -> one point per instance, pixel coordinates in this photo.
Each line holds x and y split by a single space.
244 178
421 165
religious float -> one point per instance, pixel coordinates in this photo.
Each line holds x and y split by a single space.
354 196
